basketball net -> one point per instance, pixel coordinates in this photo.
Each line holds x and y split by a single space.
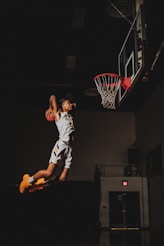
107 85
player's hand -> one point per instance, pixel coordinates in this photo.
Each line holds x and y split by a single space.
74 105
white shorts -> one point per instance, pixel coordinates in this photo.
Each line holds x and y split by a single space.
61 152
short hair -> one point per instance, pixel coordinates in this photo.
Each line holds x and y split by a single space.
67 97
61 101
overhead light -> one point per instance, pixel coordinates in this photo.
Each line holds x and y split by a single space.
91 92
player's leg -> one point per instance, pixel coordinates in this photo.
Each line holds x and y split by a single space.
68 161
39 178
63 174
53 179
28 180
57 155
59 175
40 186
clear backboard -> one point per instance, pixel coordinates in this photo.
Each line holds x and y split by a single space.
131 62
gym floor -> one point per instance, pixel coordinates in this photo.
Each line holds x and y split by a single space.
105 238
34 220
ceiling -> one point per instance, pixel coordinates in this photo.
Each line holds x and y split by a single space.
58 47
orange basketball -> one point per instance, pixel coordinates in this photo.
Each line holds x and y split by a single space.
49 116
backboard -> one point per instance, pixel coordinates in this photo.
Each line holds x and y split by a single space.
131 62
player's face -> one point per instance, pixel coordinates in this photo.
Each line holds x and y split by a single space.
67 105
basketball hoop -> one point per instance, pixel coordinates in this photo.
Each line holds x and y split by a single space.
107 85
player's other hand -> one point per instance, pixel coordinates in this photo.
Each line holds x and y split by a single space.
74 105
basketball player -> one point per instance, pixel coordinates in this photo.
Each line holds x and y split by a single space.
61 154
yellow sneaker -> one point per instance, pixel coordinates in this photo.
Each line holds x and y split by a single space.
38 185
40 181
24 185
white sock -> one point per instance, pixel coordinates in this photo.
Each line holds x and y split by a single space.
31 180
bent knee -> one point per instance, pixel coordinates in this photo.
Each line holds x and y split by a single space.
48 173
62 179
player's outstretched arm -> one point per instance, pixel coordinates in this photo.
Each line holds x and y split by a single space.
53 104
51 113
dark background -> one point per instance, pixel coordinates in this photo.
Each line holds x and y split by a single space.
41 36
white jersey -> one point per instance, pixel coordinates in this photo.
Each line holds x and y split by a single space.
65 127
